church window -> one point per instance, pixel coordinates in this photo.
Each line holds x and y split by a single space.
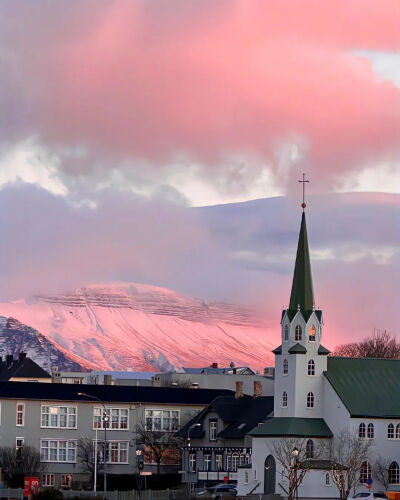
394 473
298 333
398 431
284 400
285 367
361 430
311 367
370 431
310 400
365 472
310 449
286 333
390 431
311 334
327 479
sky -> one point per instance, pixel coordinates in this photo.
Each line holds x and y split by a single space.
122 121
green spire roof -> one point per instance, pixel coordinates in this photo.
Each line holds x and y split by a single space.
302 288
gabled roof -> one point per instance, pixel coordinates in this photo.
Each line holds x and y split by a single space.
323 350
21 367
241 415
293 427
297 349
109 393
302 287
367 387
305 314
278 350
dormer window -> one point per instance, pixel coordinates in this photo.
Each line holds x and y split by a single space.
311 334
298 333
286 333
285 367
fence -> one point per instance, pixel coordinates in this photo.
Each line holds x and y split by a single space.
179 494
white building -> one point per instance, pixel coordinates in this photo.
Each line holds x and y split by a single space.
316 397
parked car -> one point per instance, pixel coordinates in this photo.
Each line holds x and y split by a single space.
369 496
219 492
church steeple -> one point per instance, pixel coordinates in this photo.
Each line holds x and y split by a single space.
302 287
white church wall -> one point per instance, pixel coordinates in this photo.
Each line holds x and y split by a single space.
336 415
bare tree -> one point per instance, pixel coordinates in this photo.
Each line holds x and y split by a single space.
19 463
294 467
347 453
86 456
160 446
380 470
381 344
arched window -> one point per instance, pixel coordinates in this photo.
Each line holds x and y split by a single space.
310 449
311 367
298 333
365 472
284 400
398 431
390 431
310 400
285 367
361 430
311 333
286 333
370 431
394 473
327 479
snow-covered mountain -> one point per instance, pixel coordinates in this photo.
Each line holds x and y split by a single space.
143 327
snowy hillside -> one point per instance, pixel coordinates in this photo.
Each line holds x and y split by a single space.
143 327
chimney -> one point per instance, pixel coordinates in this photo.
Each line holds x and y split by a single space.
22 356
107 380
9 359
257 389
214 365
239 390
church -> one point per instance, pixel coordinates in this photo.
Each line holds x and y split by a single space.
318 401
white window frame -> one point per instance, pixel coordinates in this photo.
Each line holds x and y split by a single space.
46 483
219 461
192 461
235 461
397 431
98 422
17 446
120 449
362 430
298 333
55 410
311 368
395 472
370 433
310 400
213 429
365 472
286 333
171 427
207 461
284 399
390 431
58 449
22 412
63 481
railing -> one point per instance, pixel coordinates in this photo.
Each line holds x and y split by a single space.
210 475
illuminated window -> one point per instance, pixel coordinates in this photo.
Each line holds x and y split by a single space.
394 473
310 400
370 431
310 449
286 333
361 430
311 368
311 334
365 472
390 431
58 416
117 418
284 400
48 480
285 367
298 333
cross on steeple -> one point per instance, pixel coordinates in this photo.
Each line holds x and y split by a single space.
303 205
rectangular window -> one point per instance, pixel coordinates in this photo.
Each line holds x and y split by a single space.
20 414
207 462
63 417
213 429
246 477
19 443
162 420
118 452
66 481
48 480
56 450
218 461
192 462
118 418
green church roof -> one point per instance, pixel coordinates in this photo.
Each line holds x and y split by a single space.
302 287
297 349
293 426
367 387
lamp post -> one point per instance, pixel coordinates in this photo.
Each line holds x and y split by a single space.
105 419
139 482
188 443
295 454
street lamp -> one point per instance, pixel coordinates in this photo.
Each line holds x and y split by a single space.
105 419
295 454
